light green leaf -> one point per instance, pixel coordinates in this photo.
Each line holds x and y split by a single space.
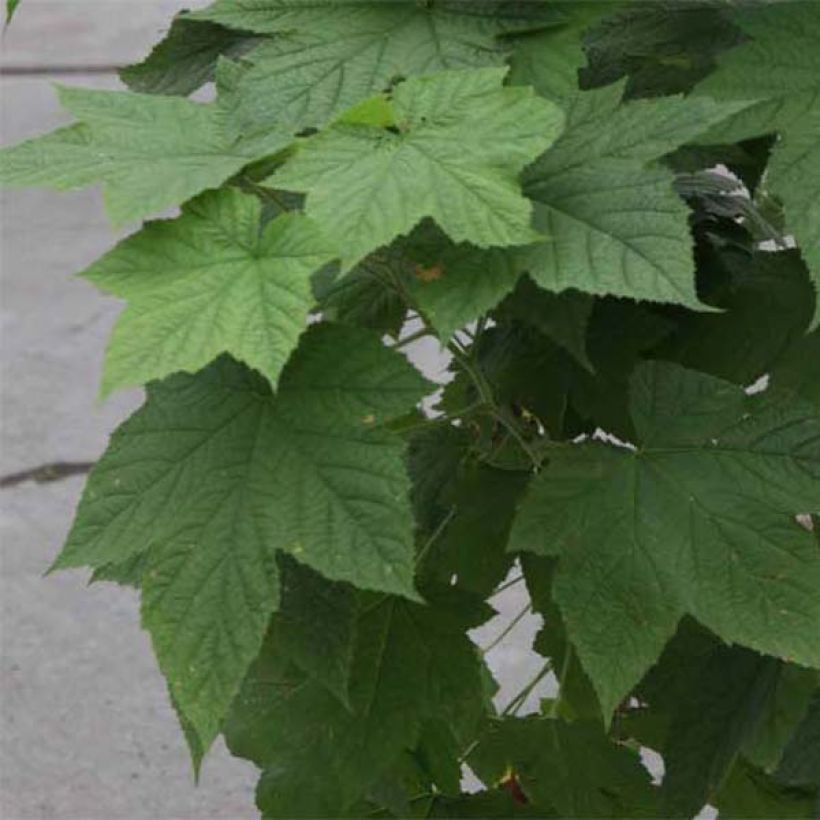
215 475
617 225
150 152
212 281
462 141
327 56
411 664
11 7
699 518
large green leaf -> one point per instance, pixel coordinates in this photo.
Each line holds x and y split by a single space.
411 664
698 518
449 146
778 72
617 225
327 56
150 152
215 475
210 282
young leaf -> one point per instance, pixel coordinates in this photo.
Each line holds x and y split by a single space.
212 281
699 518
462 141
149 152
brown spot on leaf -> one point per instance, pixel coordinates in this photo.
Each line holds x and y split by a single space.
430 274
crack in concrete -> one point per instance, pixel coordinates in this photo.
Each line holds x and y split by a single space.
45 473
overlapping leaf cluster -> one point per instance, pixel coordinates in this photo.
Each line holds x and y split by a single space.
607 215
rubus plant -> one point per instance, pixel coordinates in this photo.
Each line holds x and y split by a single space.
608 215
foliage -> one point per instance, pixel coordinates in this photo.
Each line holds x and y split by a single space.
606 216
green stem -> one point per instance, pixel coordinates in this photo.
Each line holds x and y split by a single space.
507 584
435 536
562 680
415 336
486 394
439 419
515 704
506 631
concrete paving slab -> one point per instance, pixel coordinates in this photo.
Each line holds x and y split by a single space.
86 730
90 33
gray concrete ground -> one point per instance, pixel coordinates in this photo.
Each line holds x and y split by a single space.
86 730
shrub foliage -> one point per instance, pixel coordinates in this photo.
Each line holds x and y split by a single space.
607 216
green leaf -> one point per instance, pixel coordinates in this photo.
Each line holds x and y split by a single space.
550 60
328 56
698 518
186 59
563 317
11 7
214 476
769 302
798 370
455 284
578 700
749 793
366 296
663 49
461 135
778 70
472 550
315 626
572 768
617 225
710 723
412 663
210 282
785 710
800 765
150 152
